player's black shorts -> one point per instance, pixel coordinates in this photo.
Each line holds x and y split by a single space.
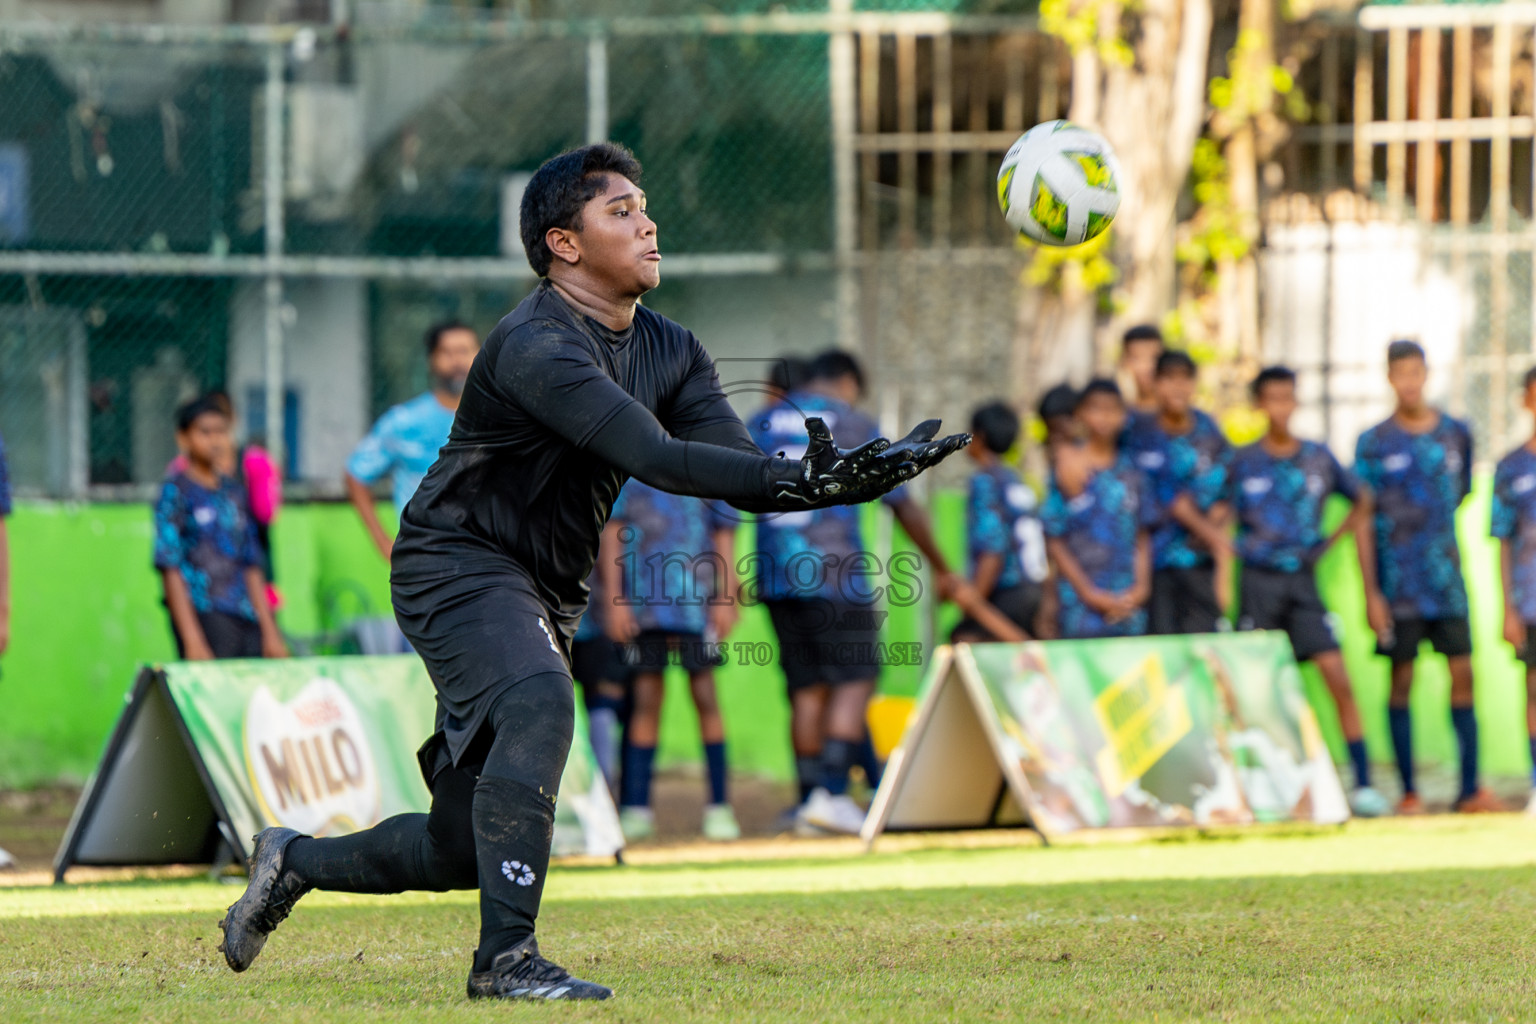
1021 604
1183 601
1451 637
654 649
824 641
1288 601
478 633
598 660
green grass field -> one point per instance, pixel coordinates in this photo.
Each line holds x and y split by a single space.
1426 920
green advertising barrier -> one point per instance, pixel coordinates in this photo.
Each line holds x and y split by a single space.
1144 731
209 753
87 612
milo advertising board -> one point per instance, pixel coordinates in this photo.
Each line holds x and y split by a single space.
210 753
1146 731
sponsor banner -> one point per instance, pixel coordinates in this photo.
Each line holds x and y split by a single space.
322 745
1146 731
326 746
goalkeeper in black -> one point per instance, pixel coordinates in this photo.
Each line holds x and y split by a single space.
576 390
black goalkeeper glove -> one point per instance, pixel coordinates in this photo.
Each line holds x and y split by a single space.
829 475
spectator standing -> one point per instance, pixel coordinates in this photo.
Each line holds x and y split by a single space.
1277 489
1004 541
815 580
677 576
404 442
1096 526
1184 455
1514 524
258 474
1418 465
1056 411
1136 371
206 550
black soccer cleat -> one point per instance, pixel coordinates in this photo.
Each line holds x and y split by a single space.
521 973
269 896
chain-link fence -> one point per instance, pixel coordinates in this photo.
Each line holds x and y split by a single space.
281 212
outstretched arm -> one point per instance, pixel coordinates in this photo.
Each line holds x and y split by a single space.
557 383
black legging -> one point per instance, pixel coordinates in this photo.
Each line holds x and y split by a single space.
502 807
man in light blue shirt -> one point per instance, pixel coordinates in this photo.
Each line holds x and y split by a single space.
405 440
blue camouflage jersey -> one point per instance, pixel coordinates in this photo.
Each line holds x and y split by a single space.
1099 527
1418 481
1514 520
1279 501
1194 463
668 565
813 554
210 538
403 443
1002 517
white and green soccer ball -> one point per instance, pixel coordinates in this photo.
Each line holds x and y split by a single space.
1059 184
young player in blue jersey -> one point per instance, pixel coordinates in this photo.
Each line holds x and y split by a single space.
1184 455
1096 520
1277 488
1514 523
676 577
1004 541
823 588
1418 465
206 550
1057 410
1136 371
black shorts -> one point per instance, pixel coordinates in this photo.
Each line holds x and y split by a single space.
1451 637
1183 601
478 633
654 649
1288 601
823 641
1021 604
231 636
228 636
596 661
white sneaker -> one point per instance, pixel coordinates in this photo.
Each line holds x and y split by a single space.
720 824
1530 805
832 813
637 823
7 862
1367 802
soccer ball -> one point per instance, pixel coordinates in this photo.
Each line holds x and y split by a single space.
1059 184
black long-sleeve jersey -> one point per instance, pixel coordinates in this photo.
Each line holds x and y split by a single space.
557 413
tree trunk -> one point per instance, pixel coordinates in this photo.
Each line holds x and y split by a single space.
1152 112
